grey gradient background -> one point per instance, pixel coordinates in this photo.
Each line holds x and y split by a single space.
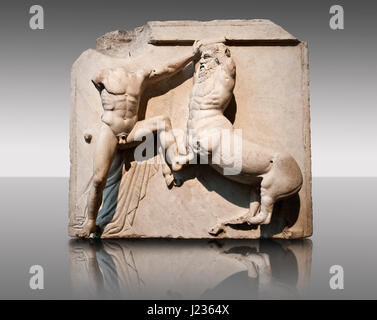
34 129
35 67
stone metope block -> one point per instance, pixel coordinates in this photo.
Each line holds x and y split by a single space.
247 78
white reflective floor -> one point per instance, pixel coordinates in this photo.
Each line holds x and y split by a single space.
34 232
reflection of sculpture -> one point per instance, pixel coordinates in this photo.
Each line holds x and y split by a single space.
277 172
120 89
181 270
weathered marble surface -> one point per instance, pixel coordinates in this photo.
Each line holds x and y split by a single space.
271 106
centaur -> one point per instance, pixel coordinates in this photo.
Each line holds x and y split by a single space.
276 173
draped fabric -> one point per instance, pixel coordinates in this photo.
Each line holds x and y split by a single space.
125 188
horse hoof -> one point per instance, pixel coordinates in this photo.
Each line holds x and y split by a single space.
216 230
169 179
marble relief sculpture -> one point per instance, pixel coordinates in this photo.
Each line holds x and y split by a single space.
120 90
277 172
201 128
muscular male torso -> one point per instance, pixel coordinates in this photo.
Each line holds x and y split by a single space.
209 98
121 102
208 101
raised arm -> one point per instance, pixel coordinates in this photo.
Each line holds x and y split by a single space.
172 67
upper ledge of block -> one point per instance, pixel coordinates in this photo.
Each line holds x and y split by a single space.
243 31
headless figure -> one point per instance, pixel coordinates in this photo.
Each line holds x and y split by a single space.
120 90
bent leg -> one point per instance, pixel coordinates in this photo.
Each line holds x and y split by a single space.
144 127
171 144
166 171
239 219
106 147
265 213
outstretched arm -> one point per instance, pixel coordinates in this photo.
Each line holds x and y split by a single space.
165 71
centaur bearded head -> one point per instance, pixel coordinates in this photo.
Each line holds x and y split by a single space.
215 55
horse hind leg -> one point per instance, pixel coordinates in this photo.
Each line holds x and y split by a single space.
240 219
283 180
265 213
254 203
220 226
267 201
267 207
